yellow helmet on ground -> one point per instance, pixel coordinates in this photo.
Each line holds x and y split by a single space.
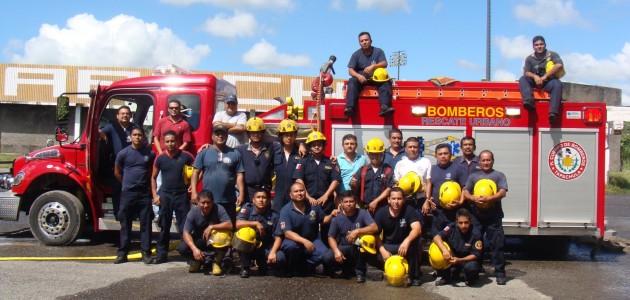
375 145
245 240
450 192
255 124
287 125
484 187
396 270
436 258
380 75
410 183
367 242
220 238
187 172
315 136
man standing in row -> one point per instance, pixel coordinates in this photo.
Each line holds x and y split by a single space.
174 122
233 120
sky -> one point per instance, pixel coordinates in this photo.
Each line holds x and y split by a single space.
439 37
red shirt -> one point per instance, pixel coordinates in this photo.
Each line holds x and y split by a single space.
182 130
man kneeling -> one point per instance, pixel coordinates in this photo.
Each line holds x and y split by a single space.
207 234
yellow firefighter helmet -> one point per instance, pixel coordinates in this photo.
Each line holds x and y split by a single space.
220 238
380 75
255 124
436 258
485 187
410 183
245 240
375 145
287 125
187 172
450 192
396 270
367 242
315 136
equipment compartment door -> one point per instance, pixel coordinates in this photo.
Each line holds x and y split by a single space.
512 156
568 178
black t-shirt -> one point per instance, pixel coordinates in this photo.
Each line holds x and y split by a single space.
171 169
136 168
396 229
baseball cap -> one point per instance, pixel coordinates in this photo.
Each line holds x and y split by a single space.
219 128
231 98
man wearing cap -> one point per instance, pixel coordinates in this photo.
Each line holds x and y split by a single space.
345 228
233 120
222 168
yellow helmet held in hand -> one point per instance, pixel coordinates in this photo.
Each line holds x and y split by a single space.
450 192
485 187
315 136
187 172
287 126
396 270
436 257
410 183
367 242
375 145
255 124
220 238
245 240
380 75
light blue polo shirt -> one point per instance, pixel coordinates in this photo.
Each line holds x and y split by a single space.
348 169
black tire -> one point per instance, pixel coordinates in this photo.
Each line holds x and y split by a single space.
57 218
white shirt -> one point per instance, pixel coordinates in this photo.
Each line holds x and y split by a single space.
238 118
420 165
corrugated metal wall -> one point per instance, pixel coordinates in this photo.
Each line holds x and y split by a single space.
41 84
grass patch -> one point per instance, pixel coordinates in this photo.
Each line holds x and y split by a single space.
8 156
618 183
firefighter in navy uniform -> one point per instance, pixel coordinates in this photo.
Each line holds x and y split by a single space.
257 156
484 191
319 176
374 181
465 247
285 159
259 216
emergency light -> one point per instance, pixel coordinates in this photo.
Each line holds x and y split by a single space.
171 69
592 115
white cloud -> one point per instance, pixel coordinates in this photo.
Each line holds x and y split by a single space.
236 4
468 65
514 48
546 13
503 75
123 41
240 25
388 6
336 4
265 56
437 7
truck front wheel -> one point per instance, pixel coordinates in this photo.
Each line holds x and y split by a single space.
57 218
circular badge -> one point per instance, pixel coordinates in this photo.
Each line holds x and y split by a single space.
567 160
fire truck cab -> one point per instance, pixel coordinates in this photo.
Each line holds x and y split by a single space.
67 188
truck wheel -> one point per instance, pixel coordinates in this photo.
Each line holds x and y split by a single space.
57 218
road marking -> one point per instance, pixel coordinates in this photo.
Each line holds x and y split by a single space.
514 289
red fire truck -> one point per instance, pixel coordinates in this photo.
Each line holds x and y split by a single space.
66 188
555 173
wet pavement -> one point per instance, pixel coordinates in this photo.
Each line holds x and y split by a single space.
563 269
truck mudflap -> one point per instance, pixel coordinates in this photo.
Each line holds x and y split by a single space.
9 206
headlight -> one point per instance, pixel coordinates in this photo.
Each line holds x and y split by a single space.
18 178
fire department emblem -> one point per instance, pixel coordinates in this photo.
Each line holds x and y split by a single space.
567 160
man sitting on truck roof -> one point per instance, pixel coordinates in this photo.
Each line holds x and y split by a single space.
361 67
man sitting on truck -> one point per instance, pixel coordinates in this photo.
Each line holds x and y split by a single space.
536 73
361 67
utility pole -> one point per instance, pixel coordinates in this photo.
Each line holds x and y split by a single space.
397 59
488 41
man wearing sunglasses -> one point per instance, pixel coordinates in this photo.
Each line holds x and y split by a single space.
173 121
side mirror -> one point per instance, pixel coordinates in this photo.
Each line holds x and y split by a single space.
61 135
63 110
